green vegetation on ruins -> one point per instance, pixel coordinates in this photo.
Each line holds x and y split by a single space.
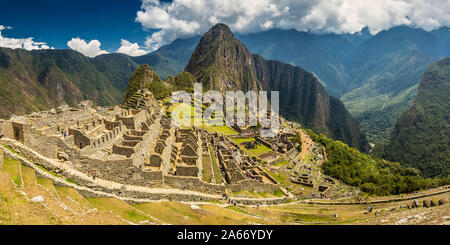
258 151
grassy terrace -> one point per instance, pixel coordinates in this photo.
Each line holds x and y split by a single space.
120 208
260 149
225 130
187 117
215 166
12 167
206 169
281 164
284 181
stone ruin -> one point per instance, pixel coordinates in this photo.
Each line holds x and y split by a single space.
134 144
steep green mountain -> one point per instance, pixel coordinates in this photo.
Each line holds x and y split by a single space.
221 62
143 77
385 71
40 80
117 67
421 136
183 81
170 59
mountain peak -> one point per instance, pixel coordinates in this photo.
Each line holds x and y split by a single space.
220 27
222 62
219 32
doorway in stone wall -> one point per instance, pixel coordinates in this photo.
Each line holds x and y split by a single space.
18 131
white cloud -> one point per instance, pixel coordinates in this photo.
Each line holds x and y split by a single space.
2 27
184 18
131 49
23 43
90 49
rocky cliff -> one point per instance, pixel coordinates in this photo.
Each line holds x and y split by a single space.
221 62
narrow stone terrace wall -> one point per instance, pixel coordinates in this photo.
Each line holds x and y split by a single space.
193 183
254 185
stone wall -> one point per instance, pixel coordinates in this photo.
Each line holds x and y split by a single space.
46 146
132 121
167 152
80 139
265 201
143 150
187 171
254 185
6 128
193 183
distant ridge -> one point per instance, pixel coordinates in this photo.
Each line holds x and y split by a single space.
44 79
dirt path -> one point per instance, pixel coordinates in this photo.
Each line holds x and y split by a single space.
306 143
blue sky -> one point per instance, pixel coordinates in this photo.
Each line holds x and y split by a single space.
58 21
136 27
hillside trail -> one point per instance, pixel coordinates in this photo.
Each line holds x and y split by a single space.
306 143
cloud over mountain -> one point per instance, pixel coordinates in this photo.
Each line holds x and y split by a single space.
131 49
90 49
184 18
25 43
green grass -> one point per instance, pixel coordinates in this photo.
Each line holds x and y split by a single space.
281 163
225 130
120 208
236 209
260 149
206 166
12 167
278 193
48 171
284 181
217 174
28 176
71 181
64 192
